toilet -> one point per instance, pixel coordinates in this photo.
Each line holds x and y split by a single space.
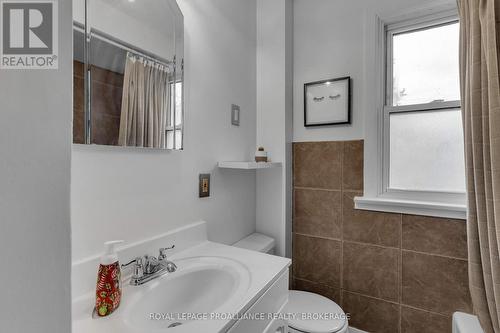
317 314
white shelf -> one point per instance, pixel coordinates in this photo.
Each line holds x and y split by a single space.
249 165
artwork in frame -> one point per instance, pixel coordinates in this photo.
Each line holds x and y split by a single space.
327 102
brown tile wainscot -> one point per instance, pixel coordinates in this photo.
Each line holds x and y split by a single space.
391 272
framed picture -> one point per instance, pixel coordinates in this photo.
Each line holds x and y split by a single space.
327 102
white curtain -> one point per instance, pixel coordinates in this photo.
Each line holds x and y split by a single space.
145 104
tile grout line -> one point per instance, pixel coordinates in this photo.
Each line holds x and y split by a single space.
434 255
372 297
342 156
401 305
400 274
318 237
381 246
426 311
298 187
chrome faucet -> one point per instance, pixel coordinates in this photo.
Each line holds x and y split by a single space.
148 268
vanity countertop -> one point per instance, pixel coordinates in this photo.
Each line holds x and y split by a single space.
260 271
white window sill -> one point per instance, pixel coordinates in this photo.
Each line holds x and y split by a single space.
446 210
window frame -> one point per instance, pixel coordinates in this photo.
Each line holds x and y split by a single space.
172 86
378 195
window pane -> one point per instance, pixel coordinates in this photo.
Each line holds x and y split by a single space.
178 103
425 66
178 139
427 151
170 139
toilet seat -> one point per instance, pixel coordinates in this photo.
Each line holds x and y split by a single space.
314 314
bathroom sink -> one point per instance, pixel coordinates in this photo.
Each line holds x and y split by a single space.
214 287
198 290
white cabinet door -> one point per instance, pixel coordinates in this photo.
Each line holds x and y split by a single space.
271 302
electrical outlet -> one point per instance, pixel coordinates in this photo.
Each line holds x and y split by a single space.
204 185
235 115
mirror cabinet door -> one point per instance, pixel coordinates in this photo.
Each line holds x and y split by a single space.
178 115
79 82
129 74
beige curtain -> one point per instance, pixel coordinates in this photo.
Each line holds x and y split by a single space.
144 104
479 62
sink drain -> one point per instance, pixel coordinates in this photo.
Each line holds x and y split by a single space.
174 325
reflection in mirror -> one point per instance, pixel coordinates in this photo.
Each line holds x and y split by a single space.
134 74
178 120
78 85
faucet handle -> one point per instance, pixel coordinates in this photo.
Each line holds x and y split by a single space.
138 270
163 251
137 261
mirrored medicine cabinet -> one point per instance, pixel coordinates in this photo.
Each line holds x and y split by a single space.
128 73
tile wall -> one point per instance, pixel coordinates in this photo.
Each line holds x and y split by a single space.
107 90
391 272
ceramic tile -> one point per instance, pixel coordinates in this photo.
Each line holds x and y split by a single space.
352 169
318 165
318 213
434 283
371 315
371 270
317 260
370 227
418 321
446 237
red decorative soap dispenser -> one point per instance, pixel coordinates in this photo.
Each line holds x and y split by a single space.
109 286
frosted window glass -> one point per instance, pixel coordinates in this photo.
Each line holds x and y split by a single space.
425 66
427 151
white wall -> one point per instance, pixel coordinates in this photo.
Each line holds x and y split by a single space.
35 157
122 193
122 21
330 40
274 118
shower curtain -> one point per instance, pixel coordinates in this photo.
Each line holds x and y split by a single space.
145 104
480 88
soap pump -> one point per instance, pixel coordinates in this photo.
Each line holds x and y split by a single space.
108 287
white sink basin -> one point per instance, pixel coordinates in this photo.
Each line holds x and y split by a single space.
201 287
211 280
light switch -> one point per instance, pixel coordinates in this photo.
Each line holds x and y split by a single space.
235 115
204 186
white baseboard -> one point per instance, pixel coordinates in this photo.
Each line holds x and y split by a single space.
355 330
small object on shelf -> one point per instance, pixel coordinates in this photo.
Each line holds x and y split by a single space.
260 155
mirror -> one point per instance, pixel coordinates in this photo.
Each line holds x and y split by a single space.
129 73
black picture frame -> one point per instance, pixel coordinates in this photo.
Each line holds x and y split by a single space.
349 102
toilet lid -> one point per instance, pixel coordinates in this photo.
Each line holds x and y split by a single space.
312 313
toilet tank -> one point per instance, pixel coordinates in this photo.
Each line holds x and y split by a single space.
257 242
466 323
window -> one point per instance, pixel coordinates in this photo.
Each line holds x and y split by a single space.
424 144
420 134
424 64
426 151
174 132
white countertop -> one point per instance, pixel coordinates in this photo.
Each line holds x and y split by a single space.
264 270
